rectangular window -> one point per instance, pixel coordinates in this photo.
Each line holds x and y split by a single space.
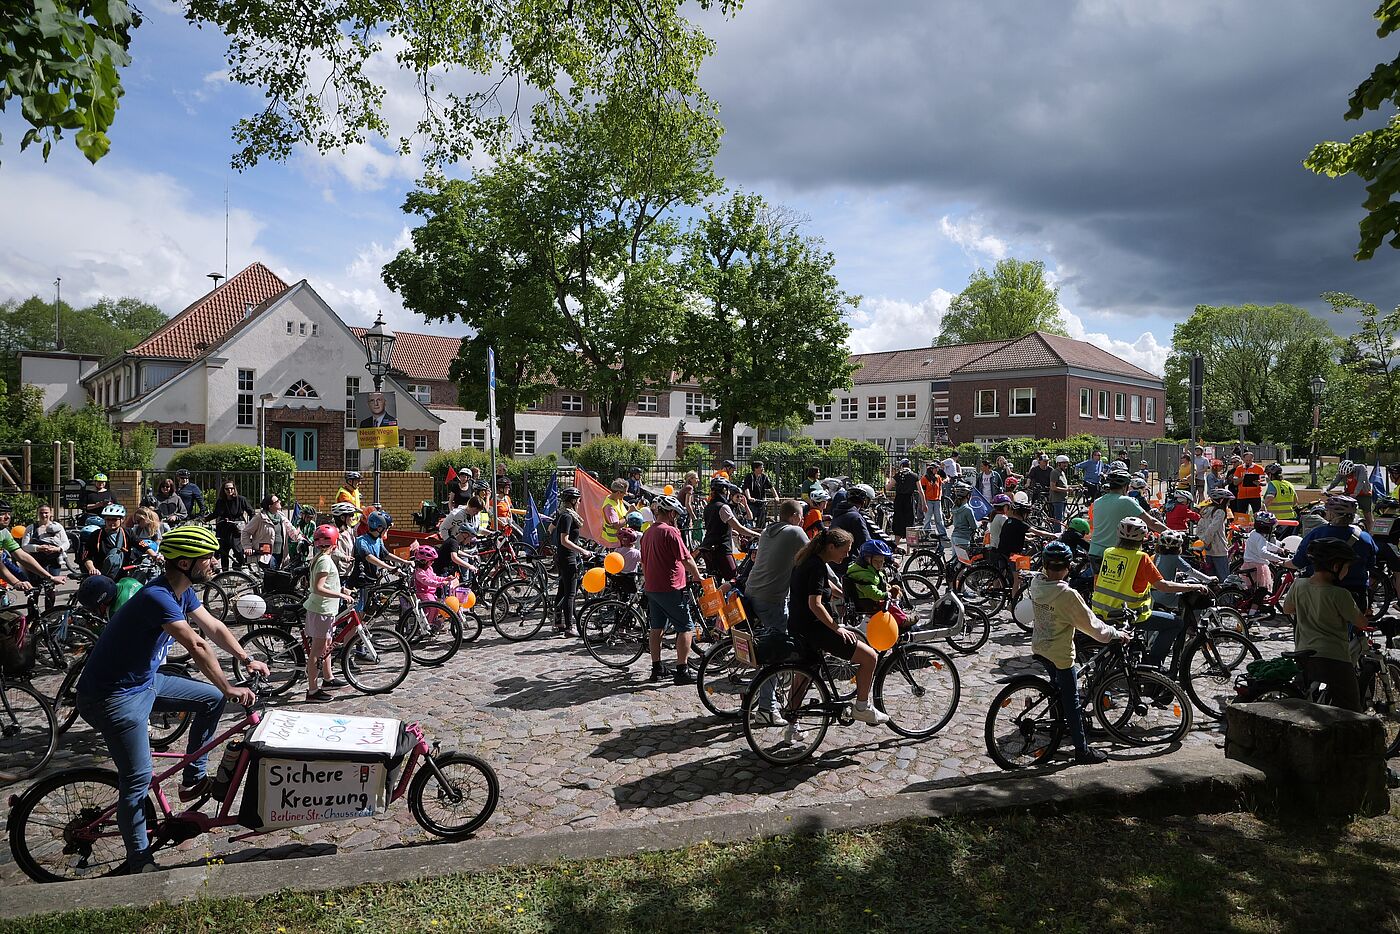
743 446
179 437
1119 406
940 421
823 443
1023 402
532 406
875 407
1137 408
1149 405
352 458
474 438
647 403
571 403
421 391
1103 403
902 445
986 402
352 386
245 398
301 328
315 329
524 443
850 409
1086 403
697 403
420 442
290 327
906 406
647 439
821 413
568 440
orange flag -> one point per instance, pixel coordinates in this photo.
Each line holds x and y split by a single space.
591 504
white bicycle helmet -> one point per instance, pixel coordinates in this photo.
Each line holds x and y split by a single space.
343 509
114 511
1132 529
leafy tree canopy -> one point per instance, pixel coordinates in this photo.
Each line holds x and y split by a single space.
1363 391
104 328
1010 302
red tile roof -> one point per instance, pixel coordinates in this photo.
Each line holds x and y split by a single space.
1035 350
1092 357
888 366
204 323
421 356
1026 353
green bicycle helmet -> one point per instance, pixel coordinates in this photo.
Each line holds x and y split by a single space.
126 589
189 541
1079 525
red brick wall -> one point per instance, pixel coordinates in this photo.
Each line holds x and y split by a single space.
165 430
330 452
1057 409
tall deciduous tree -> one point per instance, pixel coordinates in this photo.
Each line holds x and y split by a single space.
1257 358
1363 394
1010 302
1373 156
105 327
768 338
321 66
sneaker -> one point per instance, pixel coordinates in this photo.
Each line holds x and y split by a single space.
1090 756
867 713
682 676
201 789
769 718
332 683
657 672
794 733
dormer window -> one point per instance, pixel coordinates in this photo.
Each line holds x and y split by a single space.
301 389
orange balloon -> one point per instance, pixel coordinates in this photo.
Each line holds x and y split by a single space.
594 580
18 532
668 489
613 563
469 600
452 604
882 632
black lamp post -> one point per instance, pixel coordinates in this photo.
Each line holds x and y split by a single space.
379 346
1318 385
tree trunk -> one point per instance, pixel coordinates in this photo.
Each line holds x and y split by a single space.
505 427
726 438
610 415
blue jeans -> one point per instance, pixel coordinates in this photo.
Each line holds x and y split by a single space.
933 516
1057 512
1067 680
1164 628
1219 566
774 618
122 720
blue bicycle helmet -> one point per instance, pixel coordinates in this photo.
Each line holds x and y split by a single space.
874 547
95 592
1057 554
378 521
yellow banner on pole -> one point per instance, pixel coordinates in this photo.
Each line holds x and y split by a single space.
384 437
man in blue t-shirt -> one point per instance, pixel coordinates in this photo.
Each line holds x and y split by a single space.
121 685
1092 470
1341 519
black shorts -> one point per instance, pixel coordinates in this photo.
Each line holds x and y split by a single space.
821 638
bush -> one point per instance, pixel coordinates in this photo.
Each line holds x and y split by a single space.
396 460
695 457
26 507
458 459
210 458
609 453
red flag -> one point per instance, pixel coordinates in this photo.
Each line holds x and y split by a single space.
591 504
451 473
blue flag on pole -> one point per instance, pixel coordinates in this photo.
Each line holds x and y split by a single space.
980 506
551 496
532 522
1378 480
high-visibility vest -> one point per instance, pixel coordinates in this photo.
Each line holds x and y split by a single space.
343 495
1285 504
619 505
1251 481
1113 587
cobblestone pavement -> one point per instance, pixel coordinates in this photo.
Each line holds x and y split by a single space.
580 746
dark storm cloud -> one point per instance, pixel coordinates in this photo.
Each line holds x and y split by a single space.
1155 149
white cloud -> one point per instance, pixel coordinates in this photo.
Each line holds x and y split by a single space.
968 233
1146 352
894 324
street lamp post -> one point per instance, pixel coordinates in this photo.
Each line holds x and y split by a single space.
263 400
1318 385
379 346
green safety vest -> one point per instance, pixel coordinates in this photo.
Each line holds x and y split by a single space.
1285 504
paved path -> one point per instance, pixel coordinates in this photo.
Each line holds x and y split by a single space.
580 746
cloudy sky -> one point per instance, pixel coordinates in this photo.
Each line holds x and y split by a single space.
1149 153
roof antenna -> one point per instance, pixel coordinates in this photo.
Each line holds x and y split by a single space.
216 277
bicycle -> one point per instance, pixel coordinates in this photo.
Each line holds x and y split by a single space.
64 827
28 730
373 661
616 632
433 630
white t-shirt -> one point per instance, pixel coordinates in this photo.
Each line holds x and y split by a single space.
951 470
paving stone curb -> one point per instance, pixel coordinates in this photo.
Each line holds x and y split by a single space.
1194 780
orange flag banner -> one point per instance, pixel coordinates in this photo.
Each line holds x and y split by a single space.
591 504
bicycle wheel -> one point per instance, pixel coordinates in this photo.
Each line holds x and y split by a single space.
65 701
384 666
613 632
1142 708
984 588
1232 598
789 728
919 687
71 639
975 631
460 801
1209 666
54 833
1379 596
28 731
471 625
722 681
1225 618
926 562
1024 726
518 609
166 726
434 634
919 590
223 590
280 651
1384 703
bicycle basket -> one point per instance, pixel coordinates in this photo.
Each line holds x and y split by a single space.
280 582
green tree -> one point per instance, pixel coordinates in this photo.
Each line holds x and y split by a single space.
104 328
1372 156
772 315
1363 392
1257 358
1010 302
321 66
96 446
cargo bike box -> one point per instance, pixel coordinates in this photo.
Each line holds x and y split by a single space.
305 768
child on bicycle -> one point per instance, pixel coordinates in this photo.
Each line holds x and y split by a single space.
867 587
322 606
1181 515
1261 553
427 584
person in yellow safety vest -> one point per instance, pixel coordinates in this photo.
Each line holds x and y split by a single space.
349 492
614 513
1126 580
1279 497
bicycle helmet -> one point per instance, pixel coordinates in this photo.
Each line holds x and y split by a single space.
114 511
378 521
1010 484
861 491
95 592
1117 477
904 462
189 541
960 491
343 509
571 492
1345 467
875 547
1274 471
1021 498
721 485
182 473
1079 525
352 475
635 520
634 470
424 553
326 535
729 465
1221 495
1340 507
1117 465
1137 483
1265 520
1132 529
667 504
1056 555
99 478
1182 496
1001 499
1062 458
1329 554
819 496
1171 541
503 482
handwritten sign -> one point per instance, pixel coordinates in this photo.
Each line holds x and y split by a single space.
309 732
307 791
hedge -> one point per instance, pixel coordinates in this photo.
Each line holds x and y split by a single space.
396 460
531 473
207 461
606 453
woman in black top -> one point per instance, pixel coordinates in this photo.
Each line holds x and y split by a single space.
811 621
567 550
229 513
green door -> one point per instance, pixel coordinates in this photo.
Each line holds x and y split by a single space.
301 443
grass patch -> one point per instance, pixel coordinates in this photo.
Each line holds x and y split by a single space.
1015 874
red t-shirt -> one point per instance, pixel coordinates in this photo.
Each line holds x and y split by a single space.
663 557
